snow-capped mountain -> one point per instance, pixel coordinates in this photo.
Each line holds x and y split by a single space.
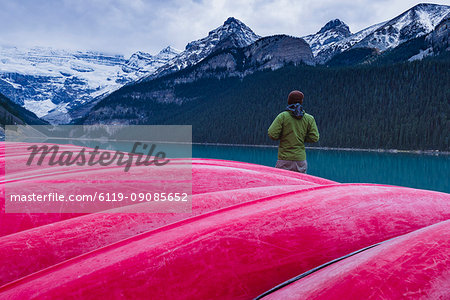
334 31
146 63
417 21
323 52
55 83
51 83
267 53
436 42
59 85
233 33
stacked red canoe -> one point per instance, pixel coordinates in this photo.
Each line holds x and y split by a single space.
253 231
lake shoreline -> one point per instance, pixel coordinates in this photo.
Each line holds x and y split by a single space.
426 152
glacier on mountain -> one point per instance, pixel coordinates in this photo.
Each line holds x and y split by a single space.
46 80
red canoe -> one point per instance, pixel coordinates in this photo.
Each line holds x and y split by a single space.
413 266
240 251
207 176
58 241
250 229
53 243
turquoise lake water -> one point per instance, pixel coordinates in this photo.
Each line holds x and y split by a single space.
423 171
430 172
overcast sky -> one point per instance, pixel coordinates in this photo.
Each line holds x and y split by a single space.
126 26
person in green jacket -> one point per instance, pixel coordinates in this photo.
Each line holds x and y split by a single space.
293 127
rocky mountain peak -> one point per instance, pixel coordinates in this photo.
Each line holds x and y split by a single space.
233 33
422 6
330 34
168 49
417 21
232 25
168 53
336 25
140 55
232 29
233 20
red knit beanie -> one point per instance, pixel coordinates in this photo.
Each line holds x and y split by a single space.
295 97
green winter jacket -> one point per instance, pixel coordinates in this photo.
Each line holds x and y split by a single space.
293 133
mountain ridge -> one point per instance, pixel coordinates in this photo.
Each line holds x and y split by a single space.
233 33
61 85
52 82
414 22
354 106
417 21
